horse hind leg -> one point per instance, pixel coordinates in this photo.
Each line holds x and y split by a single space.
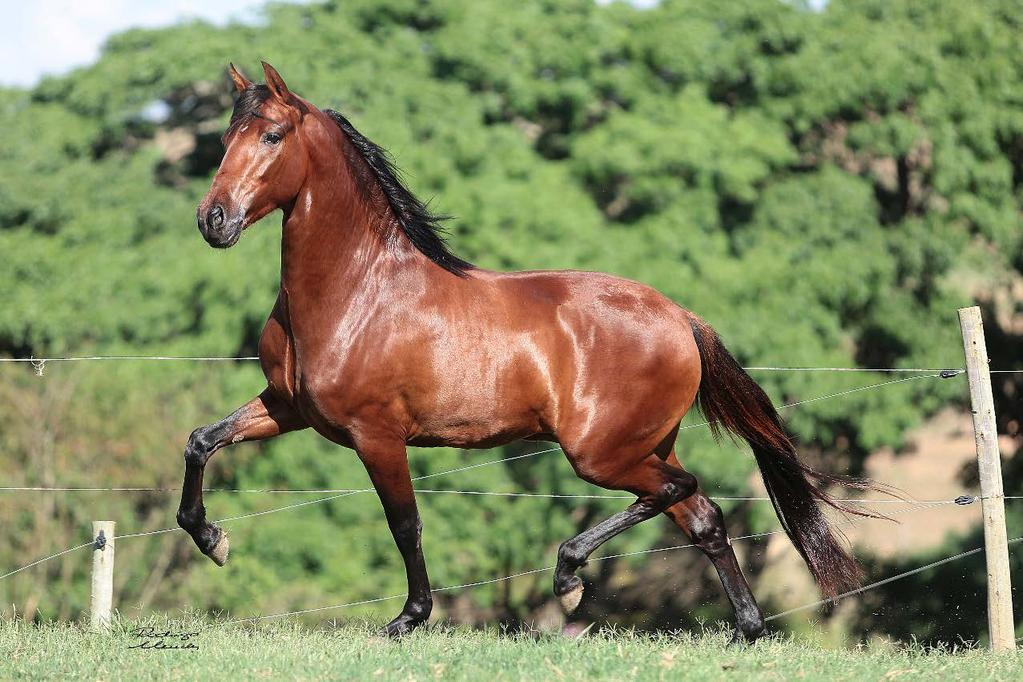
656 484
701 519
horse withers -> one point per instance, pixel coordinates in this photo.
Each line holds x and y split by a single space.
381 338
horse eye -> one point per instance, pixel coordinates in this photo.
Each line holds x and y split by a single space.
271 138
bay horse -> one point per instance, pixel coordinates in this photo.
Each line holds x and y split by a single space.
381 338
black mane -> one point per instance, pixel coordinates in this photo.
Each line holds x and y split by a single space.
421 226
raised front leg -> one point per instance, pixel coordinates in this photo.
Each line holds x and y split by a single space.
387 465
265 416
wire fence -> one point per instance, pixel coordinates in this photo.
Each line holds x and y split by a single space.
337 493
40 364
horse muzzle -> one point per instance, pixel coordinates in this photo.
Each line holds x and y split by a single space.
218 228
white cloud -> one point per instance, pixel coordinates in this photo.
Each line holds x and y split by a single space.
41 37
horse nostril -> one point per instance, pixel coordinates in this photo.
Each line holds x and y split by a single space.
215 217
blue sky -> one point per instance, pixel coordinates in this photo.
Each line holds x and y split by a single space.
40 37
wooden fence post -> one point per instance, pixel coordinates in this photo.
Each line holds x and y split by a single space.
1001 627
102 573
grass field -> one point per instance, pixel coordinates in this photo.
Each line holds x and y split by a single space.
353 651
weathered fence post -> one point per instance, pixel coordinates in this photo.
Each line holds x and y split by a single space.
996 550
102 573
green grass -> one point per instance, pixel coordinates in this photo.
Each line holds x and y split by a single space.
350 651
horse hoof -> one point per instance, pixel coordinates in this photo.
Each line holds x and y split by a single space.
570 600
740 638
401 626
220 550
396 630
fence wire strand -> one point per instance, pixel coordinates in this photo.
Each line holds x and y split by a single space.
879 583
480 583
608 557
94 358
39 364
342 492
961 500
46 558
249 358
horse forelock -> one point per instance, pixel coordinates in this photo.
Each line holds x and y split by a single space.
249 102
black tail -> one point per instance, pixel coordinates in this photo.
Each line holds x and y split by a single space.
728 397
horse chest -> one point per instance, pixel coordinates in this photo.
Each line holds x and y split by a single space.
304 364
277 352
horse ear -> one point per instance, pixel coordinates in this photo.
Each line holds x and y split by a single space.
239 80
276 84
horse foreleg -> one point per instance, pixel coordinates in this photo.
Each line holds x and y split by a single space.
262 417
658 486
387 465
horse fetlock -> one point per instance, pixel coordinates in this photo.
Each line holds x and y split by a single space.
742 635
570 556
751 622
568 587
418 609
209 538
191 519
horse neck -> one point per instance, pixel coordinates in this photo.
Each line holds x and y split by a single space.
340 241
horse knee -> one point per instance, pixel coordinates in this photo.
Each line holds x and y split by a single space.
198 449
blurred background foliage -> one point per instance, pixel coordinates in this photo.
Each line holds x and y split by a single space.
824 187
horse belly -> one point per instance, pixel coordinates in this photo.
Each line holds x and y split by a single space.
471 436
476 419
482 404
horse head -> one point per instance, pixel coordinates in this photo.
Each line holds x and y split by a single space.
265 161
